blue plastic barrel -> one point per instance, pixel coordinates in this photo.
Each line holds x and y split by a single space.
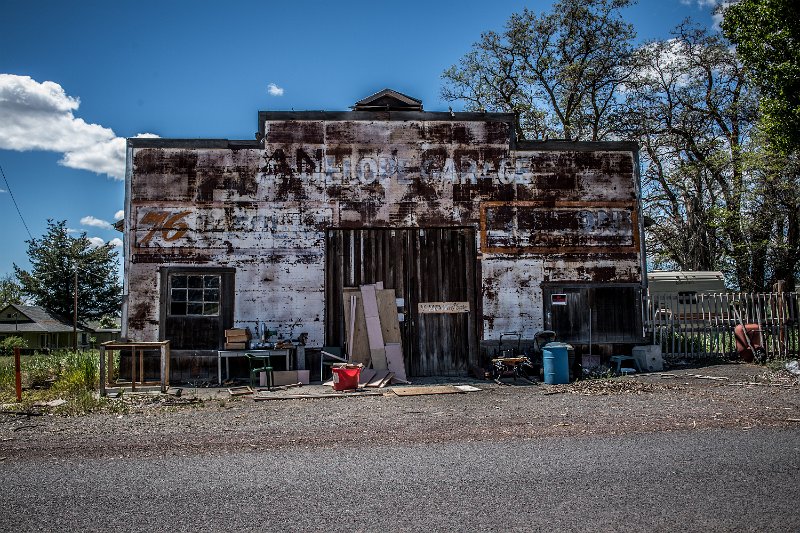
556 363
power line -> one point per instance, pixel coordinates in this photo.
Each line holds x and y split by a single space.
96 276
15 202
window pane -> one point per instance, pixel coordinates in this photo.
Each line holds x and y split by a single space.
212 282
195 282
195 295
212 295
178 281
211 309
194 308
178 295
177 308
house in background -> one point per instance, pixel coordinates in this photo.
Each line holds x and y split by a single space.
40 329
103 332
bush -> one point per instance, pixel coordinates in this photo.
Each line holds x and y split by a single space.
67 372
8 344
40 370
79 371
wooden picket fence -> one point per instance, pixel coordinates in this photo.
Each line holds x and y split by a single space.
702 325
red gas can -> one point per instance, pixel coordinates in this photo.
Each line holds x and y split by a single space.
753 332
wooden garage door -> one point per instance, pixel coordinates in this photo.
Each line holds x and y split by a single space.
197 307
424 266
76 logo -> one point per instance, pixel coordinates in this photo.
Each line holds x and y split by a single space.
171 226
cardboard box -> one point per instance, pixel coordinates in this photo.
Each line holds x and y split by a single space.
285 377
649 358
236 345
237 335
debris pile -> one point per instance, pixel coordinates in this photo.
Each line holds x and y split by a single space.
602 387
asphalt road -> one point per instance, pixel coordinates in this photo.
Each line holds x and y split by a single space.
710 480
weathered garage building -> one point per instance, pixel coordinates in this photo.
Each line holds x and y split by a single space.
441 206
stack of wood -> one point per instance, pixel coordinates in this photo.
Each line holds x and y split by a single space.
236 338
372 331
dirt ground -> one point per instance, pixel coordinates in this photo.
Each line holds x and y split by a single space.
211 421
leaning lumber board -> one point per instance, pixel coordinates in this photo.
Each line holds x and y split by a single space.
425 390
386 380
395 362
374 332
378 378
312 395
366 376
387 311
351 321
359 350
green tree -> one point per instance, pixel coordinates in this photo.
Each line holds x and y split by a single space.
10 291
767 38
560 72
8 344
51 281
692 109
109 322
777 187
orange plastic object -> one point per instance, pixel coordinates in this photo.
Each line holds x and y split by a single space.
753 331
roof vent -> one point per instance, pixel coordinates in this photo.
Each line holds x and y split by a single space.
388 100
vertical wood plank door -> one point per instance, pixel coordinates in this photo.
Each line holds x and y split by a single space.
422 265
196 307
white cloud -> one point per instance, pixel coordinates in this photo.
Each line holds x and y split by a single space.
274 90
702 4
119 215
95 222
96 242
72 231
39 116
665 63
2 191
116 242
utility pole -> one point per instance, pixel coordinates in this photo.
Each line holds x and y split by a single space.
75 315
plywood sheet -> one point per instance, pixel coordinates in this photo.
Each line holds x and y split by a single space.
379 377
378 358
394 361
387 310
366 376
374 333
431 389
359 352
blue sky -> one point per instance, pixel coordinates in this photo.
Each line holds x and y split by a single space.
76 78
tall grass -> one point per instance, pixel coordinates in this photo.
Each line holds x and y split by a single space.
61 373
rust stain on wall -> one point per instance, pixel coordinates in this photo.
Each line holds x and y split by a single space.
544 214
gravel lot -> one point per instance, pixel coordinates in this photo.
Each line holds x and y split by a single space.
210 421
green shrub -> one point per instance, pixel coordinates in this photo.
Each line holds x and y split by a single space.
7 374
79 371
40 370
8 344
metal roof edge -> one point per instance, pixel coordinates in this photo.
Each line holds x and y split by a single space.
577 146
191 143
379 116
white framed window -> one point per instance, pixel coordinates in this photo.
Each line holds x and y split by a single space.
194 294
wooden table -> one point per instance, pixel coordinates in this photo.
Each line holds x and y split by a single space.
106 372
267 354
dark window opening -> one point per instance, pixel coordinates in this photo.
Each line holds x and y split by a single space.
194 294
